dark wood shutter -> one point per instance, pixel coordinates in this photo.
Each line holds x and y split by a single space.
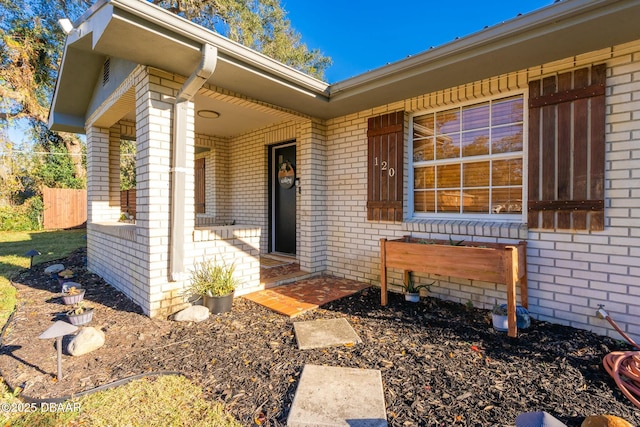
385 167
200 196
566 150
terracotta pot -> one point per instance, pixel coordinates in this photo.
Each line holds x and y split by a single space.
218 305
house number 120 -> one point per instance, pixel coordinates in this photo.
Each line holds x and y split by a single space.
385 167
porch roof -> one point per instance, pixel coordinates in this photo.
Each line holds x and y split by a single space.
140 32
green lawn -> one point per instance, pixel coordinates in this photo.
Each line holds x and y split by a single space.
166 401
14 245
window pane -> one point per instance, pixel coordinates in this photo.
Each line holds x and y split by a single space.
506 111
475 116
424 177
476 201
423 126
475 143
448 121
448 146
424 201
476 174
448 176
507 139
469 159
507 200
507 172
449 201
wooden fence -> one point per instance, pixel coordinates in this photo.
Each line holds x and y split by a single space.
64 208
128 202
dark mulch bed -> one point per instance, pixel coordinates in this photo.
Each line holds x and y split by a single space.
442 363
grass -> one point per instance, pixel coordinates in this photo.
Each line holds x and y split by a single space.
165 401
14 245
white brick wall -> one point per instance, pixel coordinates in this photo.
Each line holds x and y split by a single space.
570 273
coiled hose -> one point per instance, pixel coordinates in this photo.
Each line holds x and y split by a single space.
623 366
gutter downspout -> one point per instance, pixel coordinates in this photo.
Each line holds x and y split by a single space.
179 158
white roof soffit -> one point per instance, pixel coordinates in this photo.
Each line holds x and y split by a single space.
143 33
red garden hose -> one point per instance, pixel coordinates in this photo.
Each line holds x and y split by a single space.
623 366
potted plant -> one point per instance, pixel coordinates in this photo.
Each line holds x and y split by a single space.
499 316
80 314
72 293
213 282
411 290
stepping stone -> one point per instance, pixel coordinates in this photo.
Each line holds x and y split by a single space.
324 333
332 396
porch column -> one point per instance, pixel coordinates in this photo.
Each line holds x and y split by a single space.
312 198
154 106
155 101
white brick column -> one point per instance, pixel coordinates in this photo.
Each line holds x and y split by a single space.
153 138
312 221
102 190
155 97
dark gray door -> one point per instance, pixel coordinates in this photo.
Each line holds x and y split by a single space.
284 199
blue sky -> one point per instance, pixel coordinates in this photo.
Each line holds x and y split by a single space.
363 35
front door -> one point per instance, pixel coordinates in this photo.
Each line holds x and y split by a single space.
283 199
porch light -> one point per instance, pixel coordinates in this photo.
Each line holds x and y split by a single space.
31 254
57 331
208 114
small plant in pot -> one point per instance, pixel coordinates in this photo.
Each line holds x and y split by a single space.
80 314
411 290
72 293
214 282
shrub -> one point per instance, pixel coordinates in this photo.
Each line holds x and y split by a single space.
24 217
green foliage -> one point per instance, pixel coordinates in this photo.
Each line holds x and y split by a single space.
212 278
410 286
127 164
259 24
56 170
25 217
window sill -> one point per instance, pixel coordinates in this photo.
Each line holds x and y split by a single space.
116 229
506 230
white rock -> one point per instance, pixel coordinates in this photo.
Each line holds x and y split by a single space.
86 341
195 313
53 269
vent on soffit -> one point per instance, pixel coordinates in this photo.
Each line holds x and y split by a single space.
106 69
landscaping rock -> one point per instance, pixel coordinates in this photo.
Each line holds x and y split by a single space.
195 313
86 341
54 269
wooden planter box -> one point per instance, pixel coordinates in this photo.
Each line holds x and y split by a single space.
489 262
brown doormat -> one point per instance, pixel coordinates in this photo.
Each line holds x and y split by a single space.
298 297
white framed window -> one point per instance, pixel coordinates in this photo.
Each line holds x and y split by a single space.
468 161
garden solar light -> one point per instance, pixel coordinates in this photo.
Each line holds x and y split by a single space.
31 254
57 331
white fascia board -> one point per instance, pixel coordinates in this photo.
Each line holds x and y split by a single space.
559 15
233 52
